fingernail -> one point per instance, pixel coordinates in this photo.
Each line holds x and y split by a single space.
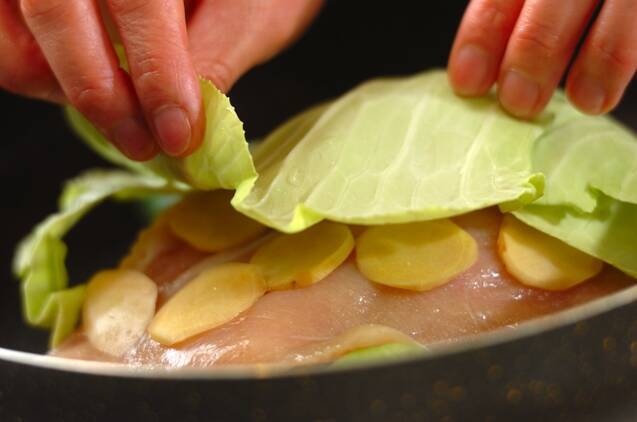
518 94
173 130
589 95
471 70
132 138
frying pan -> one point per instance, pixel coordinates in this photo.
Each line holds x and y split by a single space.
580 364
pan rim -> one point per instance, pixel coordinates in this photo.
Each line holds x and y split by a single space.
493 338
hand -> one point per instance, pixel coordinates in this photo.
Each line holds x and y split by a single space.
60 50
527 45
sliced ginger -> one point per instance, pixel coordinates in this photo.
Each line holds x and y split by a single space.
304 258
211 299
416 256
539 260
119 306
208 222
146 245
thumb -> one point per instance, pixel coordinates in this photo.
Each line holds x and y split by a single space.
228 37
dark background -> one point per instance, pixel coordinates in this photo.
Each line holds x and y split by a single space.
349 43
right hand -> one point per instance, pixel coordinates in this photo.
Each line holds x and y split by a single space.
526 46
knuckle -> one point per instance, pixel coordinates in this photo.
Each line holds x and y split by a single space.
538 39
93 97
619 58
219 72
150 78
163 75
158 82
490 15
41 9
128 7
148 72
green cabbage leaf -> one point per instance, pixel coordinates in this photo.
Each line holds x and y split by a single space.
39 261
590 200
376 353
222 161
392 151
608 233
584 158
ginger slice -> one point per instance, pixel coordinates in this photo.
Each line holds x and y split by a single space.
149 241
538 260
211 299
119 306
208 222
301 259
415 256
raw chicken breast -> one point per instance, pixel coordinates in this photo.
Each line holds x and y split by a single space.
291 325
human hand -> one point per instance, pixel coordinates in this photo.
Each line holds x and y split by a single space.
526 47
59 50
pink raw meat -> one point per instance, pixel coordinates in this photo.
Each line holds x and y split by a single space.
285 325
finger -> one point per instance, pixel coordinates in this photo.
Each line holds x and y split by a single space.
480 43
608 59
156 43
190 6
541 45
23 68
228 37
77 48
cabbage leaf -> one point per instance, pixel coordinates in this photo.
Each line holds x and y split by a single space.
375 353
392 151
39 261
590 198
222 161
607 233
584 157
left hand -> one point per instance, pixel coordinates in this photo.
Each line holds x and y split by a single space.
61 51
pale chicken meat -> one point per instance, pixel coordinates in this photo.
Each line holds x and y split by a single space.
295 325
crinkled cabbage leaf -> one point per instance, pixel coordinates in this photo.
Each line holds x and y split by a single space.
222 161
590 201
39 261
392 151
608 233
586 156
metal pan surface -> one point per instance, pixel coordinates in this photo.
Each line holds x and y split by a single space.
579 364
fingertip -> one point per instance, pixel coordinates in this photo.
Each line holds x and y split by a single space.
221 74
470 71
196 116
587 94
198 130
162 73
519 94
176 119
606 62
174 130
134 140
